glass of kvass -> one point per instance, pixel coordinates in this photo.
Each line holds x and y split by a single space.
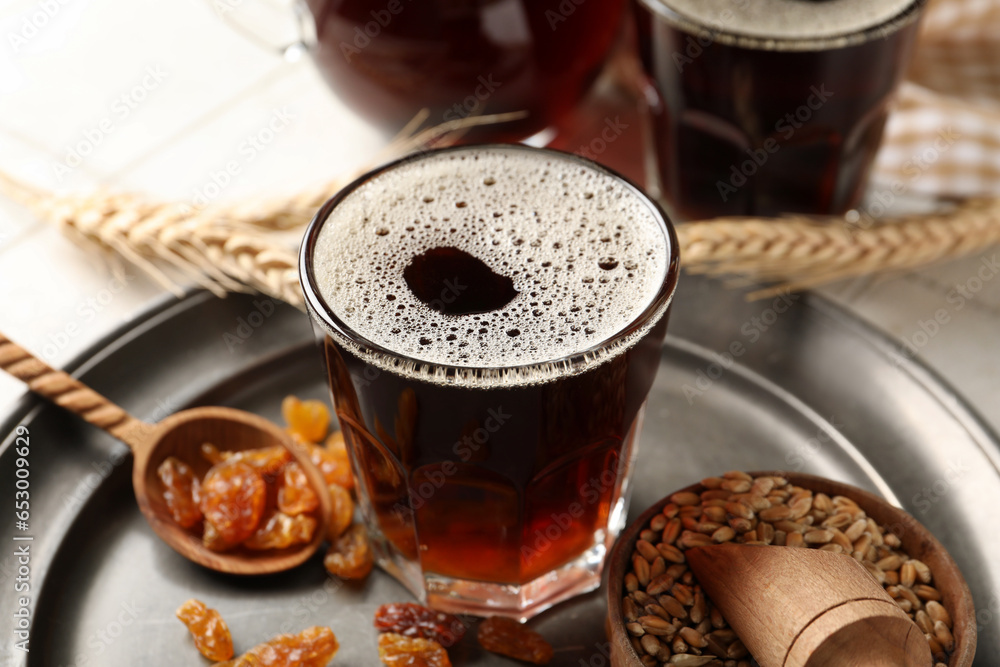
491 319
764 107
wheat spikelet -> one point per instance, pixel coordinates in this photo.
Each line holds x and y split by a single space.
219 255
797 253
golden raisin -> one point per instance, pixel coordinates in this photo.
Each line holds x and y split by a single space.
309 420
395 650
414 620
512 639
268 460
281 531
313 647
332 461
338 450
342 512
210 632
232 500
213 540
213 454
295 496
350 556
180 491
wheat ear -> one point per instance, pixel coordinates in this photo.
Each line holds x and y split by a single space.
796 253
222 248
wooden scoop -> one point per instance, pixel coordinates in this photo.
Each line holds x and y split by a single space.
807 608
180 435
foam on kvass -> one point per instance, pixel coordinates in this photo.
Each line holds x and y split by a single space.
584 253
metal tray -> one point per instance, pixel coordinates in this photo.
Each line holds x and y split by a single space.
809 388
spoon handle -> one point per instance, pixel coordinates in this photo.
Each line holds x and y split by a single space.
71 394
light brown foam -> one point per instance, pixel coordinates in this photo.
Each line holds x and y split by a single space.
547 221
787 19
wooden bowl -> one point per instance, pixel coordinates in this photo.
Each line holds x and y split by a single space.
917 543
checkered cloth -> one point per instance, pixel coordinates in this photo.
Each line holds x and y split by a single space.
943 137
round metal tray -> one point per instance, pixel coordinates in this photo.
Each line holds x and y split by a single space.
792 384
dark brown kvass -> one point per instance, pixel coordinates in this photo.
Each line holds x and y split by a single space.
764 108
388 59
493 321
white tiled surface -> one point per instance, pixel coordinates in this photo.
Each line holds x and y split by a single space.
194 92
213 89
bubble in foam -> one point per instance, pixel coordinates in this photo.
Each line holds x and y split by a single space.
506 295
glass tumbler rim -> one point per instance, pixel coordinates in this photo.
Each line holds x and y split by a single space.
471 376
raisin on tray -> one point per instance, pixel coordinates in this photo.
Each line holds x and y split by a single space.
232 500
210 632
313 647
309 420
338 462
350 557
334 465
413 620
512 639
281 531
181 489
395 650
295 495
342 512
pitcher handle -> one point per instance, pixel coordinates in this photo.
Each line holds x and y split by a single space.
251 18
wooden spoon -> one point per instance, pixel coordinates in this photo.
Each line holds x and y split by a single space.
180 435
